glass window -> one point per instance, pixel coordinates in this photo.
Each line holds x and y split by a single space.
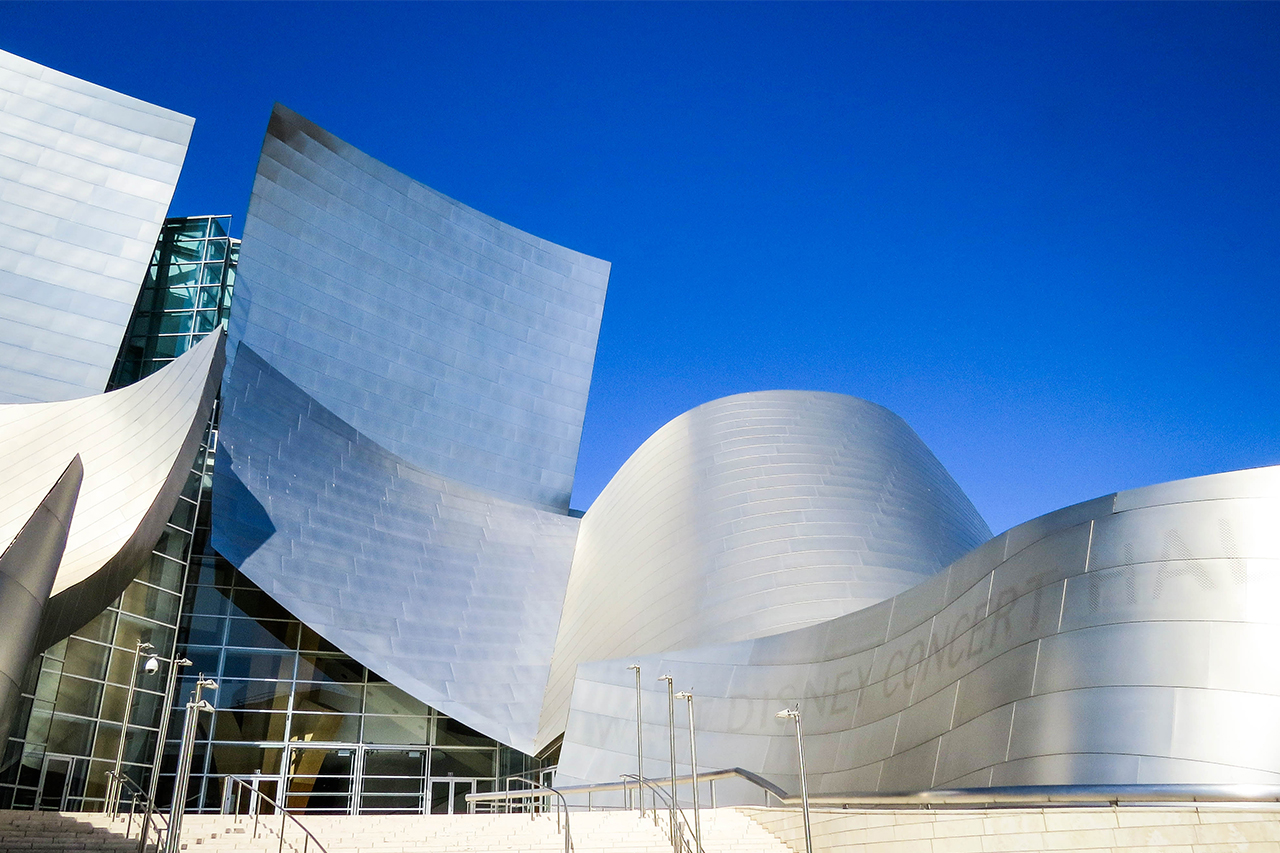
209 600
176 324
72 736
189 228
80 693
463 762
386 698
183 277
100 628
184 512
240 759
206 322
249 726
343 698
208 297
405 730
85 659
218 226
156 603
204 630
172 347
258 664
215 250
265 634
342 728
234 694
319 668
187 250
256 604
450 732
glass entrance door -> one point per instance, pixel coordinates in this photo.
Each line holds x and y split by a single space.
449 796
254 796
55 779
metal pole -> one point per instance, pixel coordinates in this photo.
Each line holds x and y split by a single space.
160 736
794 714
639 744
187 749
113 790
693 769
671 729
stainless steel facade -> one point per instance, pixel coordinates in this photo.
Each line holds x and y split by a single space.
450 593
136 444
1125 640
458 343
28 566
86 175
754 515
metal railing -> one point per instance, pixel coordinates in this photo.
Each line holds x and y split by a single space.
683 833
151 819
537 791
256 797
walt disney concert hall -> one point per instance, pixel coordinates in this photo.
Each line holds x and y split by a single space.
327 467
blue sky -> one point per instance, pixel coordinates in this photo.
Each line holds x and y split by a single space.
1047 236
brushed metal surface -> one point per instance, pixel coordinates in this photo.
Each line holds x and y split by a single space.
28 565
753 515
1127 640
137 445
86 176
457 342
450 593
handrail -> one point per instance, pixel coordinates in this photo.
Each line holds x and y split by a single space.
999 797
149 817
568 840
284 814
682 822
770 789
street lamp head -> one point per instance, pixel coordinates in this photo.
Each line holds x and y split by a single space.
203 705
788 714
207 684
183 662
145 647
152 666
666 678
634 666
684 694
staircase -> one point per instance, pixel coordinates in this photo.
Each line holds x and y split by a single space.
723 831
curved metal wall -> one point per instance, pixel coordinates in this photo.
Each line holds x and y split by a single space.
136 445
86 176
450 593
753 515
459 343
1126 640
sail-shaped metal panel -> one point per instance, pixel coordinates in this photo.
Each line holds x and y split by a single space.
86 176
457 342
137 445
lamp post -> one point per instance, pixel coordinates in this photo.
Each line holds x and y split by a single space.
639 744
794 714
113 790
164 729
671 729
687 695
179 804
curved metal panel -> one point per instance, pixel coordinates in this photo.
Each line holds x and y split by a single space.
28 565
753 515
460 344
450 593
1127 640
137 445
86 175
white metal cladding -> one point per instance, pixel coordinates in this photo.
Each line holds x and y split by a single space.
455 341
450 593
86 176
1127 640
752 515
136 444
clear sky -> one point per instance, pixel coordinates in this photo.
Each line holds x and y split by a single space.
1048 236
